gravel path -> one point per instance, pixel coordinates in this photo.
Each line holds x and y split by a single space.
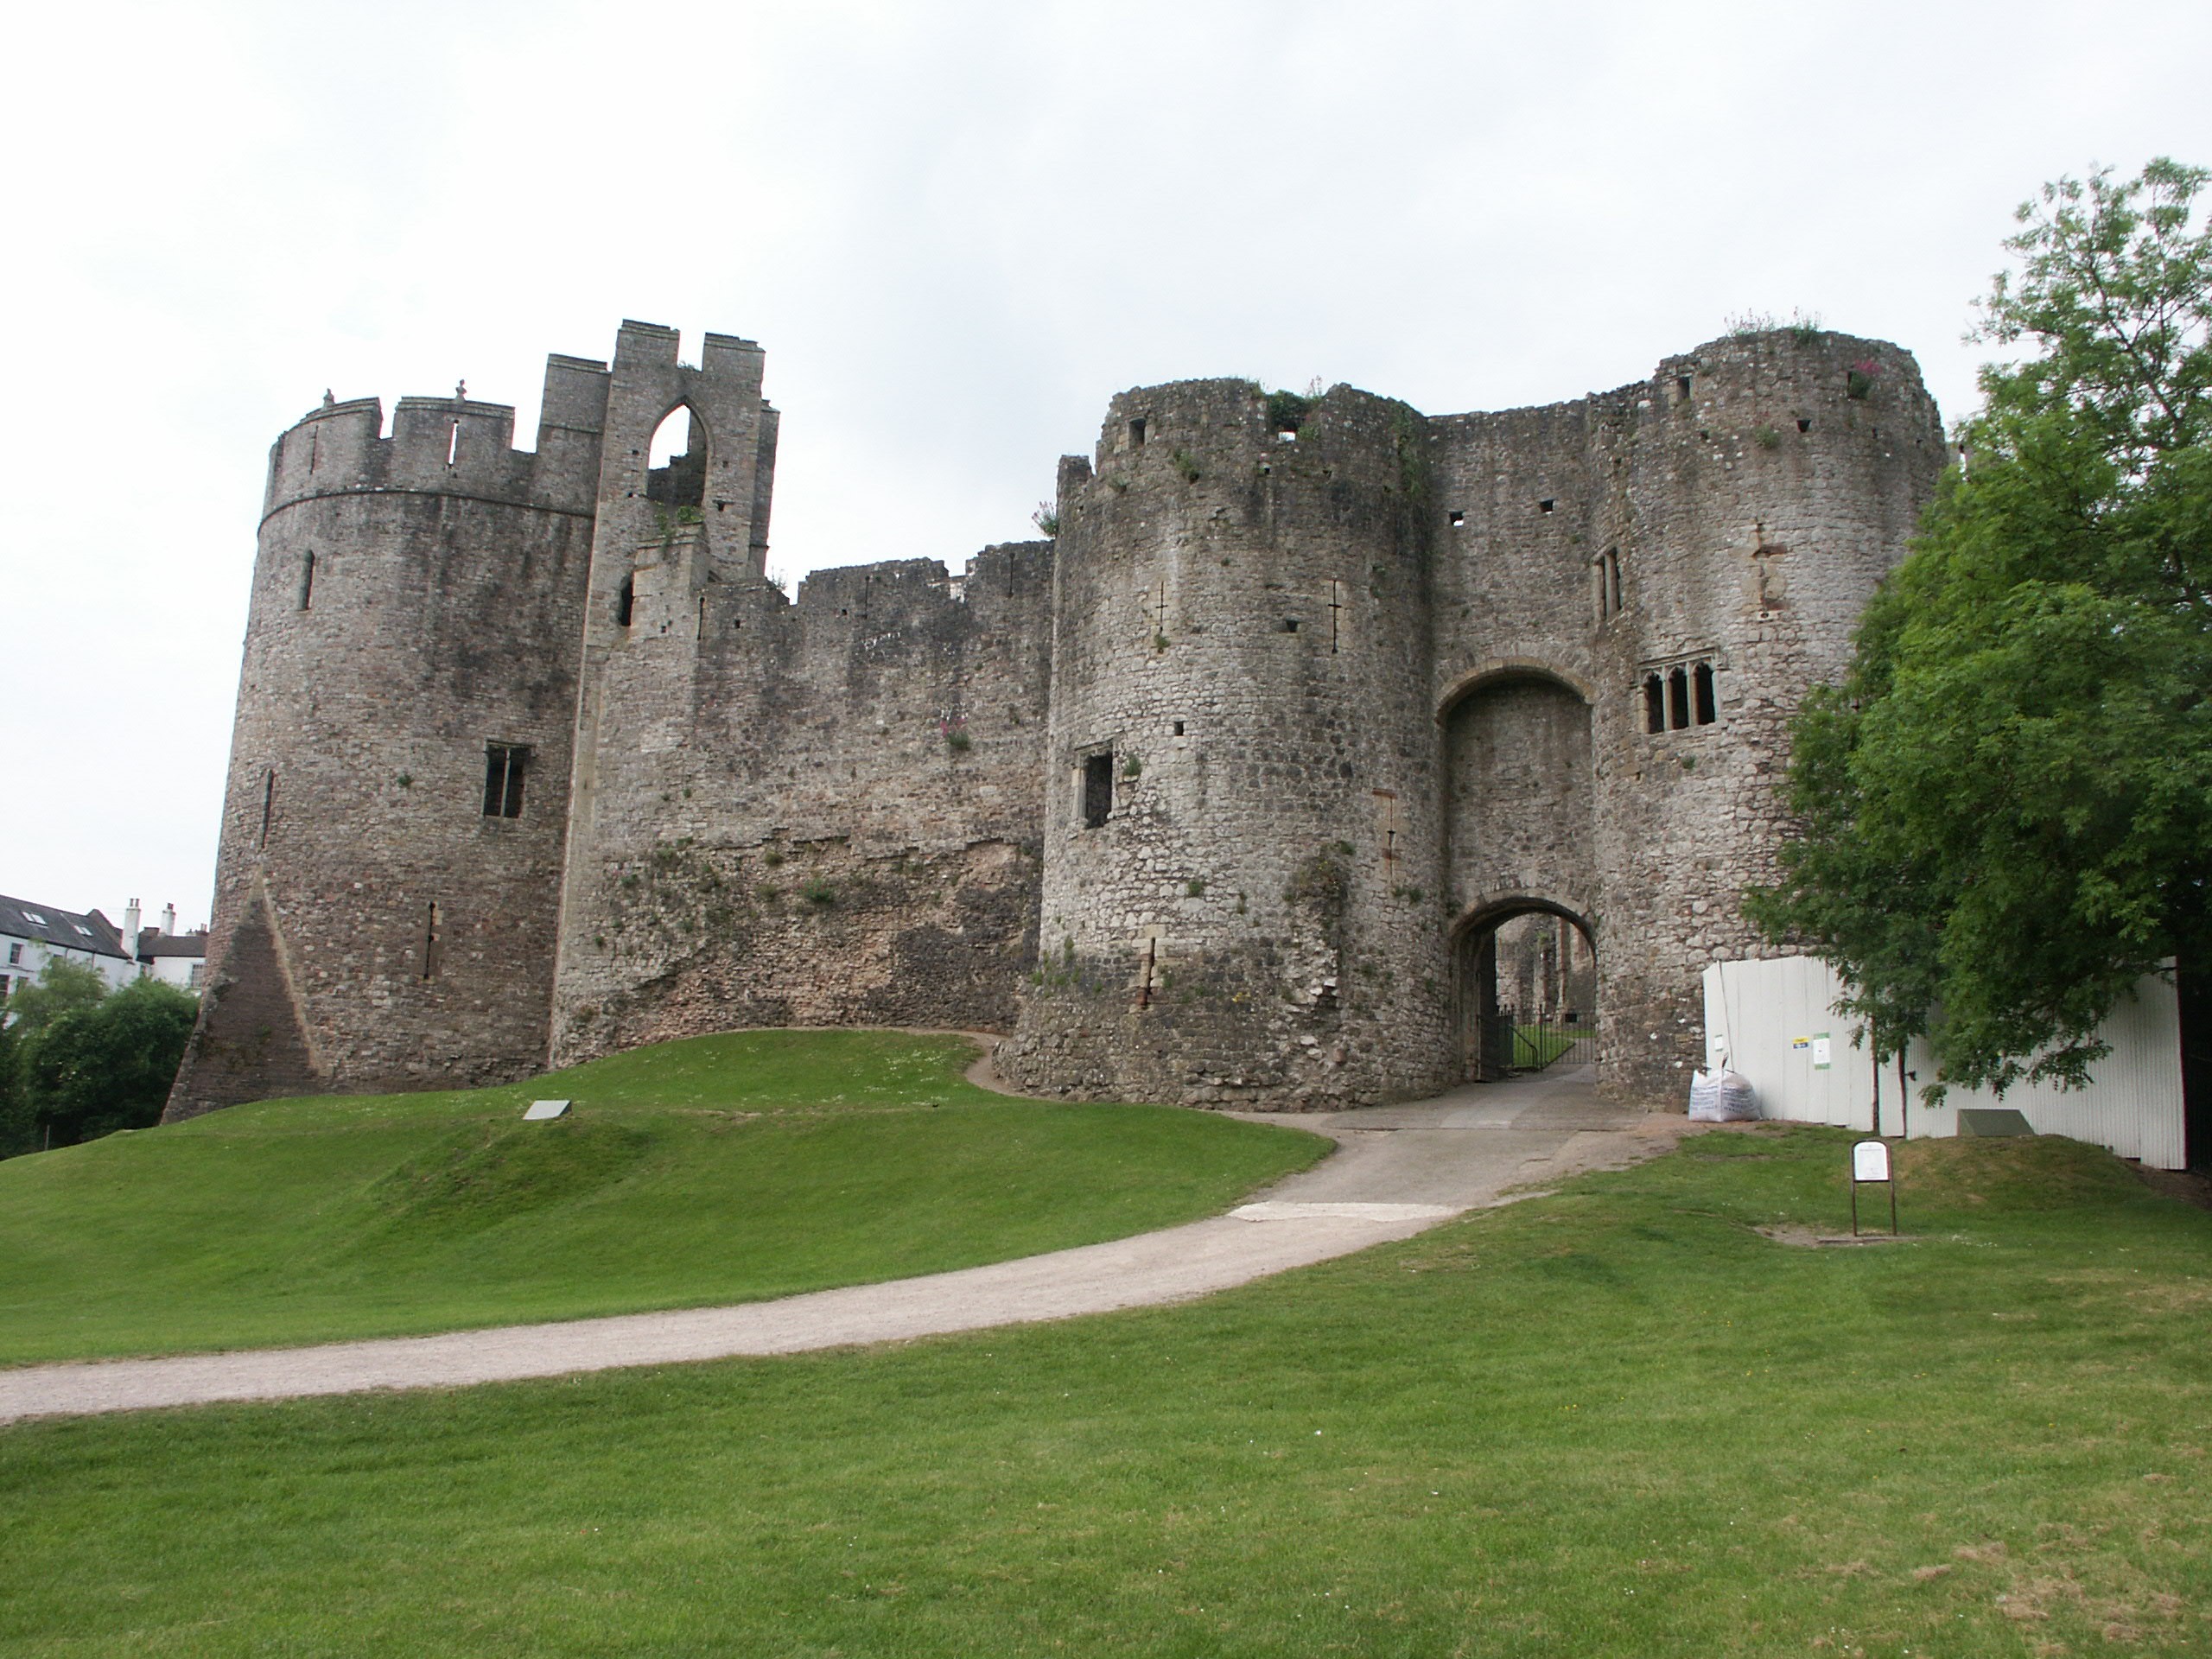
1398 1170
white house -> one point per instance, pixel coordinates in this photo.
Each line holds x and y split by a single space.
175 958
32 935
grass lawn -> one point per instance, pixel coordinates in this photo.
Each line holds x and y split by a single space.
1617 1420
718 1169
1536 1047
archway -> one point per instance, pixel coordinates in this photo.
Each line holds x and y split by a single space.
677 477
1524 974
1520 843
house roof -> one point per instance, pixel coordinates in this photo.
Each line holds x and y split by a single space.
152 942
64 929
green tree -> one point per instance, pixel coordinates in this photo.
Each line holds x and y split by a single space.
61 988
79 1064
2005 804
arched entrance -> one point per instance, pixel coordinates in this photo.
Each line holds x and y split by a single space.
1521 868
1524 975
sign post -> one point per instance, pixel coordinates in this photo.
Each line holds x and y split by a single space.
1869 1166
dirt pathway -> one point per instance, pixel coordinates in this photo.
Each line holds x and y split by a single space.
1398 1169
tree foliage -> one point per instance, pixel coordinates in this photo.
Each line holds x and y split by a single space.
2004 806
77 1062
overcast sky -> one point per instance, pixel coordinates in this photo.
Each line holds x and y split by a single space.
957 228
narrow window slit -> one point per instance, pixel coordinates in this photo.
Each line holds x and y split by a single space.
453 444
430 943
1144 982
1702 681
625 600
1097 790
306 580
268 803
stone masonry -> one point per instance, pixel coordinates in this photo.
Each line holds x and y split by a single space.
1218 796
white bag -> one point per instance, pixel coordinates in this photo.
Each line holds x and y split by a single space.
1722 1096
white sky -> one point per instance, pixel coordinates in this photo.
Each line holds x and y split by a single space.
957 227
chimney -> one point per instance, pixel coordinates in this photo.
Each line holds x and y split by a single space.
130 928
169 919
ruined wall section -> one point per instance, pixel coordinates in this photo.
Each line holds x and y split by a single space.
839 820
1773 480
1240 653
415 597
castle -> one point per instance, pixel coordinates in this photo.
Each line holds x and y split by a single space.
1219 795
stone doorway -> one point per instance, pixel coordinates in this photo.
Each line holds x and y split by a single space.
1524 992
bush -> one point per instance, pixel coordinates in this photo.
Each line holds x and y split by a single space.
78 1063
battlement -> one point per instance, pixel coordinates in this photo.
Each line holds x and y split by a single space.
450 446
1215 432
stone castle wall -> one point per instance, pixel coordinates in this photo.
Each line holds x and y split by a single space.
1218 797
839 825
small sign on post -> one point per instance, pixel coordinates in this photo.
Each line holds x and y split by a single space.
1869 1166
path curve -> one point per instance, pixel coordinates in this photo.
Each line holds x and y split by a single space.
1398 1170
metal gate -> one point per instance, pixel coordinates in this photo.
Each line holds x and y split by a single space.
1512 1042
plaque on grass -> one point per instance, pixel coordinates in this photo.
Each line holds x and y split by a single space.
1992 1120
540 1110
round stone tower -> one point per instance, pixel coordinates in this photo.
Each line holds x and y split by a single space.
393 827
1771 482
1241 842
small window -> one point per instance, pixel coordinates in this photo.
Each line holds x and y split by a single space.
1702 698
1290 624
1097 790
1179 729
1678 699
1655 704
1136 432
15 956
504 766
625 600
1681 388
430 943
1546 505
268 803
306 580
1458 519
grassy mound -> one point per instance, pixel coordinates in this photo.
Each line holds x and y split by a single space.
726 1169
1617 1421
